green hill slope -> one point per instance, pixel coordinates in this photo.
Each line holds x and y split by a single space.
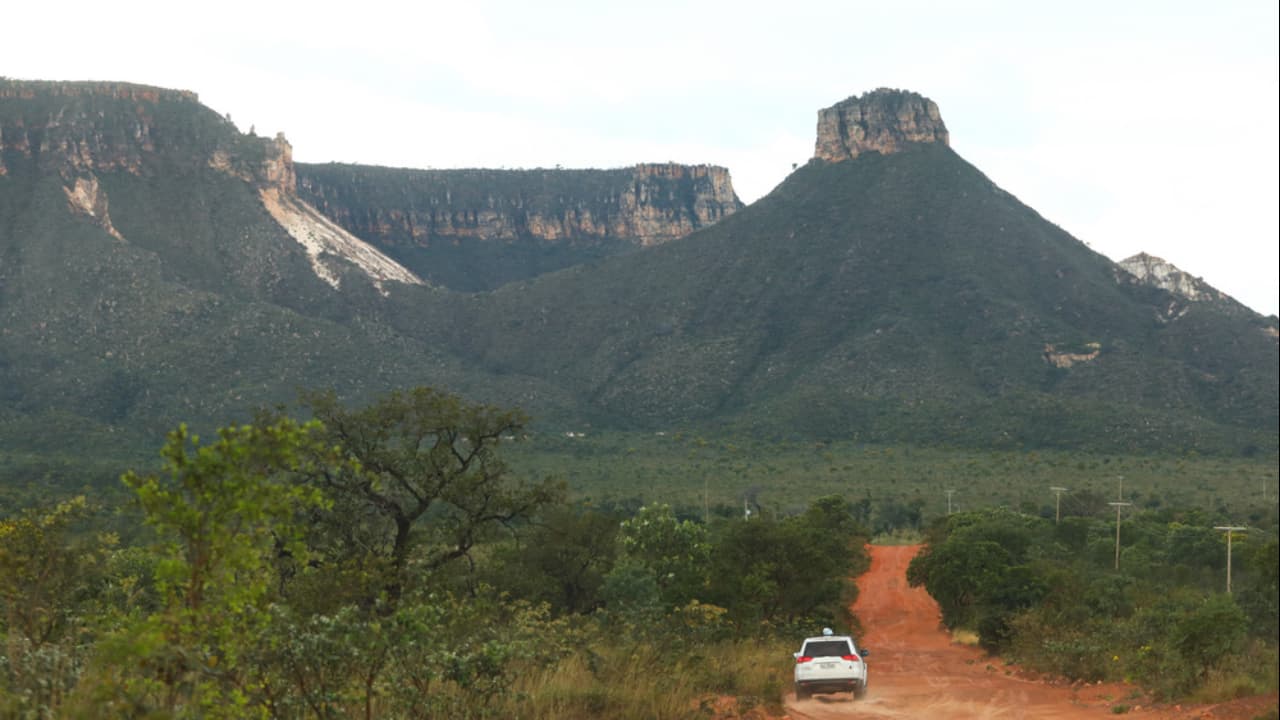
898 297
144 284
146 280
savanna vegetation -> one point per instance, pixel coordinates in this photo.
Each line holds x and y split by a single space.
424 557
894 487
385 562
1057 596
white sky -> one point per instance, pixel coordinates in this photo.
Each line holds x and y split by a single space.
1136 126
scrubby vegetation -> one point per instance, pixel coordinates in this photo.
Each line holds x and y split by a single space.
383 562
424 557
894 487
1055 596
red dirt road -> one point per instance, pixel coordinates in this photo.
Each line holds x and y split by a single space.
915 671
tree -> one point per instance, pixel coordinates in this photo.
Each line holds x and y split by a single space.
1259 594
895 515
562 560
834 514
673 551
423 481
46 576
957 574
793 571
40 569
222 512
750 571
976 568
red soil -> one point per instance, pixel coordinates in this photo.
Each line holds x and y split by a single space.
917 672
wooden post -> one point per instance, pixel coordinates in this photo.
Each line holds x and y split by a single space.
1057 503
1117 506
1229 529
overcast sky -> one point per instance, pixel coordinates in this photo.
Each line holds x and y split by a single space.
1136 126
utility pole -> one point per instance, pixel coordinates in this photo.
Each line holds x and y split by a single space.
1057 503
1117 506
949 494
1229 530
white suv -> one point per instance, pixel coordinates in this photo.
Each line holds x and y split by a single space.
830 663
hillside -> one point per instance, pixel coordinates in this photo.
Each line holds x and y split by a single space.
157 266
892 297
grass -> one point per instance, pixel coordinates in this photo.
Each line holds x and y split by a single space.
620 679
1252 673
640 682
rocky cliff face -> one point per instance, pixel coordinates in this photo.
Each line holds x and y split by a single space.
477 229
84 127
645 204
271 165
79 131
882 121
65 127
80 128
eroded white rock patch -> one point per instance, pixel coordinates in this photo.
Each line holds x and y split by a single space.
87 198
321 237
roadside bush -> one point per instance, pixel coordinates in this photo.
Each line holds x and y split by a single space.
1160 621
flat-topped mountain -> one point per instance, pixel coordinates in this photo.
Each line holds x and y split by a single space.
478 229
77 133
897 295
157 266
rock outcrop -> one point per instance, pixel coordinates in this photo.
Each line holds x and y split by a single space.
322 239
882 121
86 198
478 229
1184 289
76 129
1065 359
82 127
1157 272
80 131
271 167
646 204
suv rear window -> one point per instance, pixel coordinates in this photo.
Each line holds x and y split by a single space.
826 648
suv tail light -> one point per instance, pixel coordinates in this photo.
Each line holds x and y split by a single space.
850 658
803 659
